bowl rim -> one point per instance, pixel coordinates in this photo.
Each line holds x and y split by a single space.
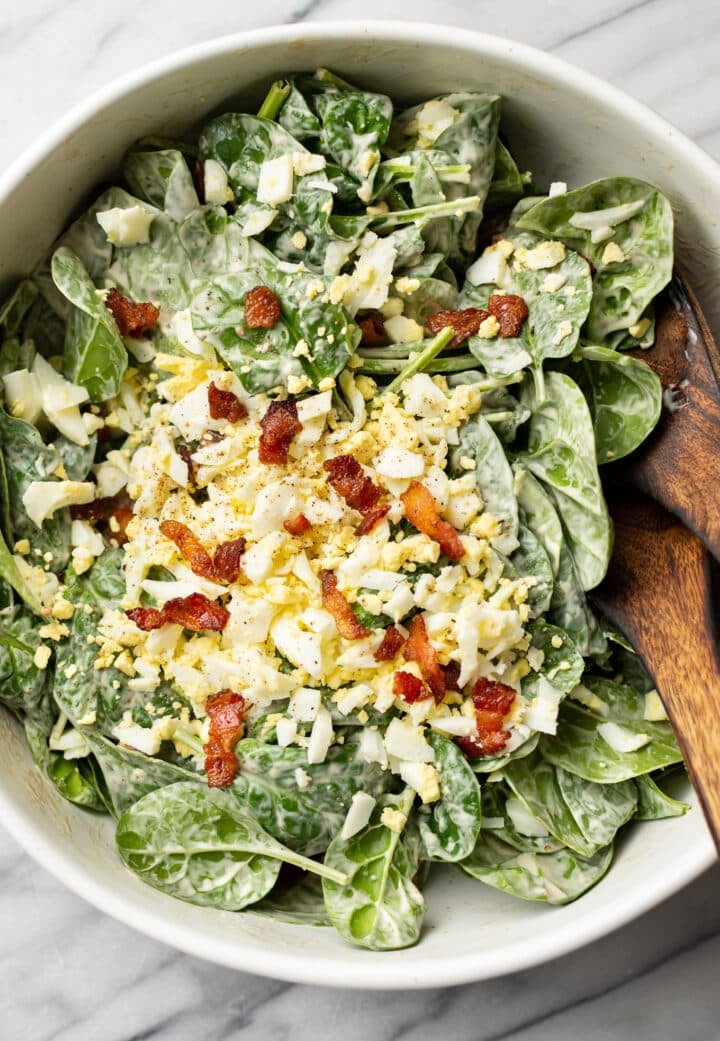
460 967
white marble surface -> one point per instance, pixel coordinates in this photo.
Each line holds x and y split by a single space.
68 973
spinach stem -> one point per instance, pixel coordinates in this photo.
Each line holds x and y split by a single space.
539 381
275 100
452 208
421 360
326 76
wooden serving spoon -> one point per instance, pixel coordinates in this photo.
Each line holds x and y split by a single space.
679 465
659 593
659 586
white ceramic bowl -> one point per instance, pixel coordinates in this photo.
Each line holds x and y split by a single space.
562 124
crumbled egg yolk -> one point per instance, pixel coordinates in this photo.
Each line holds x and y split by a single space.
279 638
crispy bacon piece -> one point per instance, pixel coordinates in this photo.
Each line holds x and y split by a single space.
510 311
371 518
146 618
226 710
132 319
419 649
297 525
409 687
225 405
333 601
350 481
186 455
422 512
452 675
279 425
191 548
390 645
493 701
372 328
227 560
196 612
465 322
262 308
118 507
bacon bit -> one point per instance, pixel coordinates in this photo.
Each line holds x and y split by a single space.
118 507
190 547
262 308
132 319
372 518
122 517
226 710
350 481
419 649
452 675
333 601
372 328
225 405
421 510
198 175
186 455
146 618
297 525
279 425
493 701
390 645
409 687
465 322
227 560
510 311
196 613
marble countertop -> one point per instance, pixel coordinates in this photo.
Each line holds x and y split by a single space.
67 972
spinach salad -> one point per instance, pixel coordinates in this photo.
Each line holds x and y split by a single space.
301 507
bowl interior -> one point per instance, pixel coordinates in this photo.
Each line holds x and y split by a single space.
562 125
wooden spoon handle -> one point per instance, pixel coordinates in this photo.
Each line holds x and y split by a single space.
679 466
659 593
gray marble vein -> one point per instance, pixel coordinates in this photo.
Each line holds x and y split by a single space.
69 973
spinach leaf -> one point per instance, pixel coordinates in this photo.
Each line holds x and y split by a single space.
561 454
12 579
15 309
24 687
562 665
266 358
380 907
75 779
570 610
557 309
450 830
195 844
553 878
632 263
508 184
161 177
157 270
305 819
28 459
502 410
299 903
87 239
579 748
655 804
492 764
539 514
88 695
95 355
495 480
76 459
495 799
130 775
624 395
296 116
530 560
355 123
